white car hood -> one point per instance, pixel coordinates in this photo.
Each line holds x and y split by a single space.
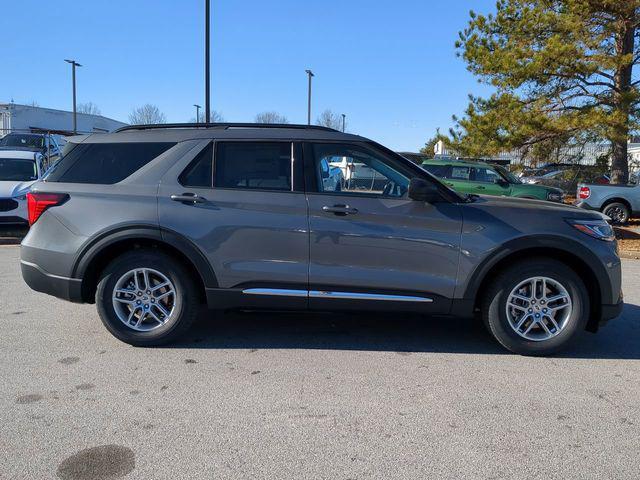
12 188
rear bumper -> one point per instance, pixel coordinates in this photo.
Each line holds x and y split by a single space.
45 282
585 205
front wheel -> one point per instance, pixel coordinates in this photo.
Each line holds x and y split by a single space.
146 298
536 307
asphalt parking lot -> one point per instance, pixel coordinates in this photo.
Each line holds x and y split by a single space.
257 395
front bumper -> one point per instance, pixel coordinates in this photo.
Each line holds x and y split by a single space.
45 282
13 211
611 311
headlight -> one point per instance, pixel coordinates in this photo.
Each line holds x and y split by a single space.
554 196
594 228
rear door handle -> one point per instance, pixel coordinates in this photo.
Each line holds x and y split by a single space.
480 187
340 210
188 198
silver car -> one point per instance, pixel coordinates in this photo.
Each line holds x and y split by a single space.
618 202
151 222
19 170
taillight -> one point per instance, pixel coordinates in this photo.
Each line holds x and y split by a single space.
37 203
584 192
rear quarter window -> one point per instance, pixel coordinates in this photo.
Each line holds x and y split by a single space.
104 163
440 171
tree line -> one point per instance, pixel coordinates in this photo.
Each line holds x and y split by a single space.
151 114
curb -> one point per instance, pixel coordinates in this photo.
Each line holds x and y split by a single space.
630 255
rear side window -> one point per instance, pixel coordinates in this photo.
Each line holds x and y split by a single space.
199 173
460 173
104 163
253 165
440 171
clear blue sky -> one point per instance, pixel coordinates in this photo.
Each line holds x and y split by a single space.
390 66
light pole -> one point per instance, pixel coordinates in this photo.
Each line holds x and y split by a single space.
198 107
310 74
343 121
207 71
74 64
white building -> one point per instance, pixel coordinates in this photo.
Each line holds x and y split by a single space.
26 118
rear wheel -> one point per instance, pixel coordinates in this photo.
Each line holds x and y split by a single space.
618 212
536 307
146 298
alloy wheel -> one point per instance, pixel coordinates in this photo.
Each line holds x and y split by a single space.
538 308
144 299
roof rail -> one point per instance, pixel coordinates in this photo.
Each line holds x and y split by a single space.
223 126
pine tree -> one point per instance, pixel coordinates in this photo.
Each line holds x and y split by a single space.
563 71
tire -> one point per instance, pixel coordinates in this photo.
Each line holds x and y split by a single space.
182 305
618 212
571 319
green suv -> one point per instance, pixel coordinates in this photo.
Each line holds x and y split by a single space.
487 179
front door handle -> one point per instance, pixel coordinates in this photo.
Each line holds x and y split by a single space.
188 198
480 187
340 210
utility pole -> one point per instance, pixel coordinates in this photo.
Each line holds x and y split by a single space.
207 66
343 121
198 107
310 74
74 64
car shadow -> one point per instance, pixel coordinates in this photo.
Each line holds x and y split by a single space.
398 332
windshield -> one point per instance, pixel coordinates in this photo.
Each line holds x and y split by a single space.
19 140
17 169
507 175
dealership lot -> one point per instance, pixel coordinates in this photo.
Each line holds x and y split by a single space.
310 396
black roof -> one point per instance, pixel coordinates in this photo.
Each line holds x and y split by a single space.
224 126
177 132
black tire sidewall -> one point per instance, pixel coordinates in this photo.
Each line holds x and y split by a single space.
621 205
495 316
184 303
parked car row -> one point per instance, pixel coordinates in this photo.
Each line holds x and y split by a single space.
46 145
19 170
553 182
300 217
487 179
24 158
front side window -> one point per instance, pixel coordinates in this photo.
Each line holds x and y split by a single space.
104 163
507 175
253 165
18 170
486 175
353 170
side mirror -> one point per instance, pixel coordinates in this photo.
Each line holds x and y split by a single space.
423 191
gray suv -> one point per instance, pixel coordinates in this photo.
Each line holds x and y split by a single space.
151 222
